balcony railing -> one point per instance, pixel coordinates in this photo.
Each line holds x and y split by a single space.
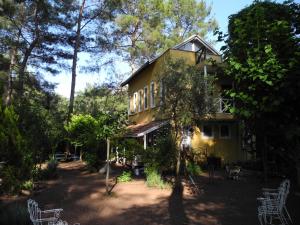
223 105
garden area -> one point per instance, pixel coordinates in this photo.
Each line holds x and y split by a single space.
83 198
76 153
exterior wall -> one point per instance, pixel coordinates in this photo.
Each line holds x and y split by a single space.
227 149
145 78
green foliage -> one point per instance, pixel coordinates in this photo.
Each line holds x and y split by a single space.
143 29
154 179
95 100
28 185
50 171
163 154
194 169
91 160
82 130
14 153
265 72
14 214
188 97
126 176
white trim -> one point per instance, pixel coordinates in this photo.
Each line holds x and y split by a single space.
212 131
146 103
134 102
229 131
152 94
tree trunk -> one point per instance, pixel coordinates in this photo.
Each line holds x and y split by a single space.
28 52
107 163
8 90
74 62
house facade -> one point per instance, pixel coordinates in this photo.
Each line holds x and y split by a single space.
219 134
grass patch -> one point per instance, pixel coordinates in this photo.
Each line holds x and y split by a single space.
154 179
194 169
125 177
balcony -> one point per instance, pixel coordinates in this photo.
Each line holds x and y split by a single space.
222 105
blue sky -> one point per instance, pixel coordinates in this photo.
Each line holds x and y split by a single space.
221 9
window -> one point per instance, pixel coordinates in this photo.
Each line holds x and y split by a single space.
140 100
161 92
207 131
146 97
224 131
134 102
152 95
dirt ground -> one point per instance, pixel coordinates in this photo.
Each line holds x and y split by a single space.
221 201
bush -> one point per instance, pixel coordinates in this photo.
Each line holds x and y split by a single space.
154 179
15 214
28 185
50 171
92 161
125 177
193 169
11 182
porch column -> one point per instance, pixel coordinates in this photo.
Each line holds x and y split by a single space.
145 141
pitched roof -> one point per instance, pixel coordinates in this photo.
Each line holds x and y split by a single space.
176 47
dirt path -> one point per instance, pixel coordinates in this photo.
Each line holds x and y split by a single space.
222 202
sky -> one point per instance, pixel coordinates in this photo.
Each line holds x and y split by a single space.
221 10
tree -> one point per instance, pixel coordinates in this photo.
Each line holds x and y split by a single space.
144 29
187 99
97 99
87 13
31 34
266 75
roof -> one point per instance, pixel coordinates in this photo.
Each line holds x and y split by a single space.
139 130
176 47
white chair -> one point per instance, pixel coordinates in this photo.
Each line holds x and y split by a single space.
273 193
272 209
273 204
39 217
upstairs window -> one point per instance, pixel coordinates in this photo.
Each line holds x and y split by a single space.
145 97
140 100
152 95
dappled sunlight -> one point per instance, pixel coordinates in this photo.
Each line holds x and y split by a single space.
84 200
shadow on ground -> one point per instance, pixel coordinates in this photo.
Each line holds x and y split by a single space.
220 202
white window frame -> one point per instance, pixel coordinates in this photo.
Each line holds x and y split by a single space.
229 131
134 102
152 94
140 102
212 131
146 97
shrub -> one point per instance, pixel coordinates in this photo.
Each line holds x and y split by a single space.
50 171
193 169
91 160
154 179
15 214
125 177
27 185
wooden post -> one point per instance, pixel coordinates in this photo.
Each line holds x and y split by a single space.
107 164
145 141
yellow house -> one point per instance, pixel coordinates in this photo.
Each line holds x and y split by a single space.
219 134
